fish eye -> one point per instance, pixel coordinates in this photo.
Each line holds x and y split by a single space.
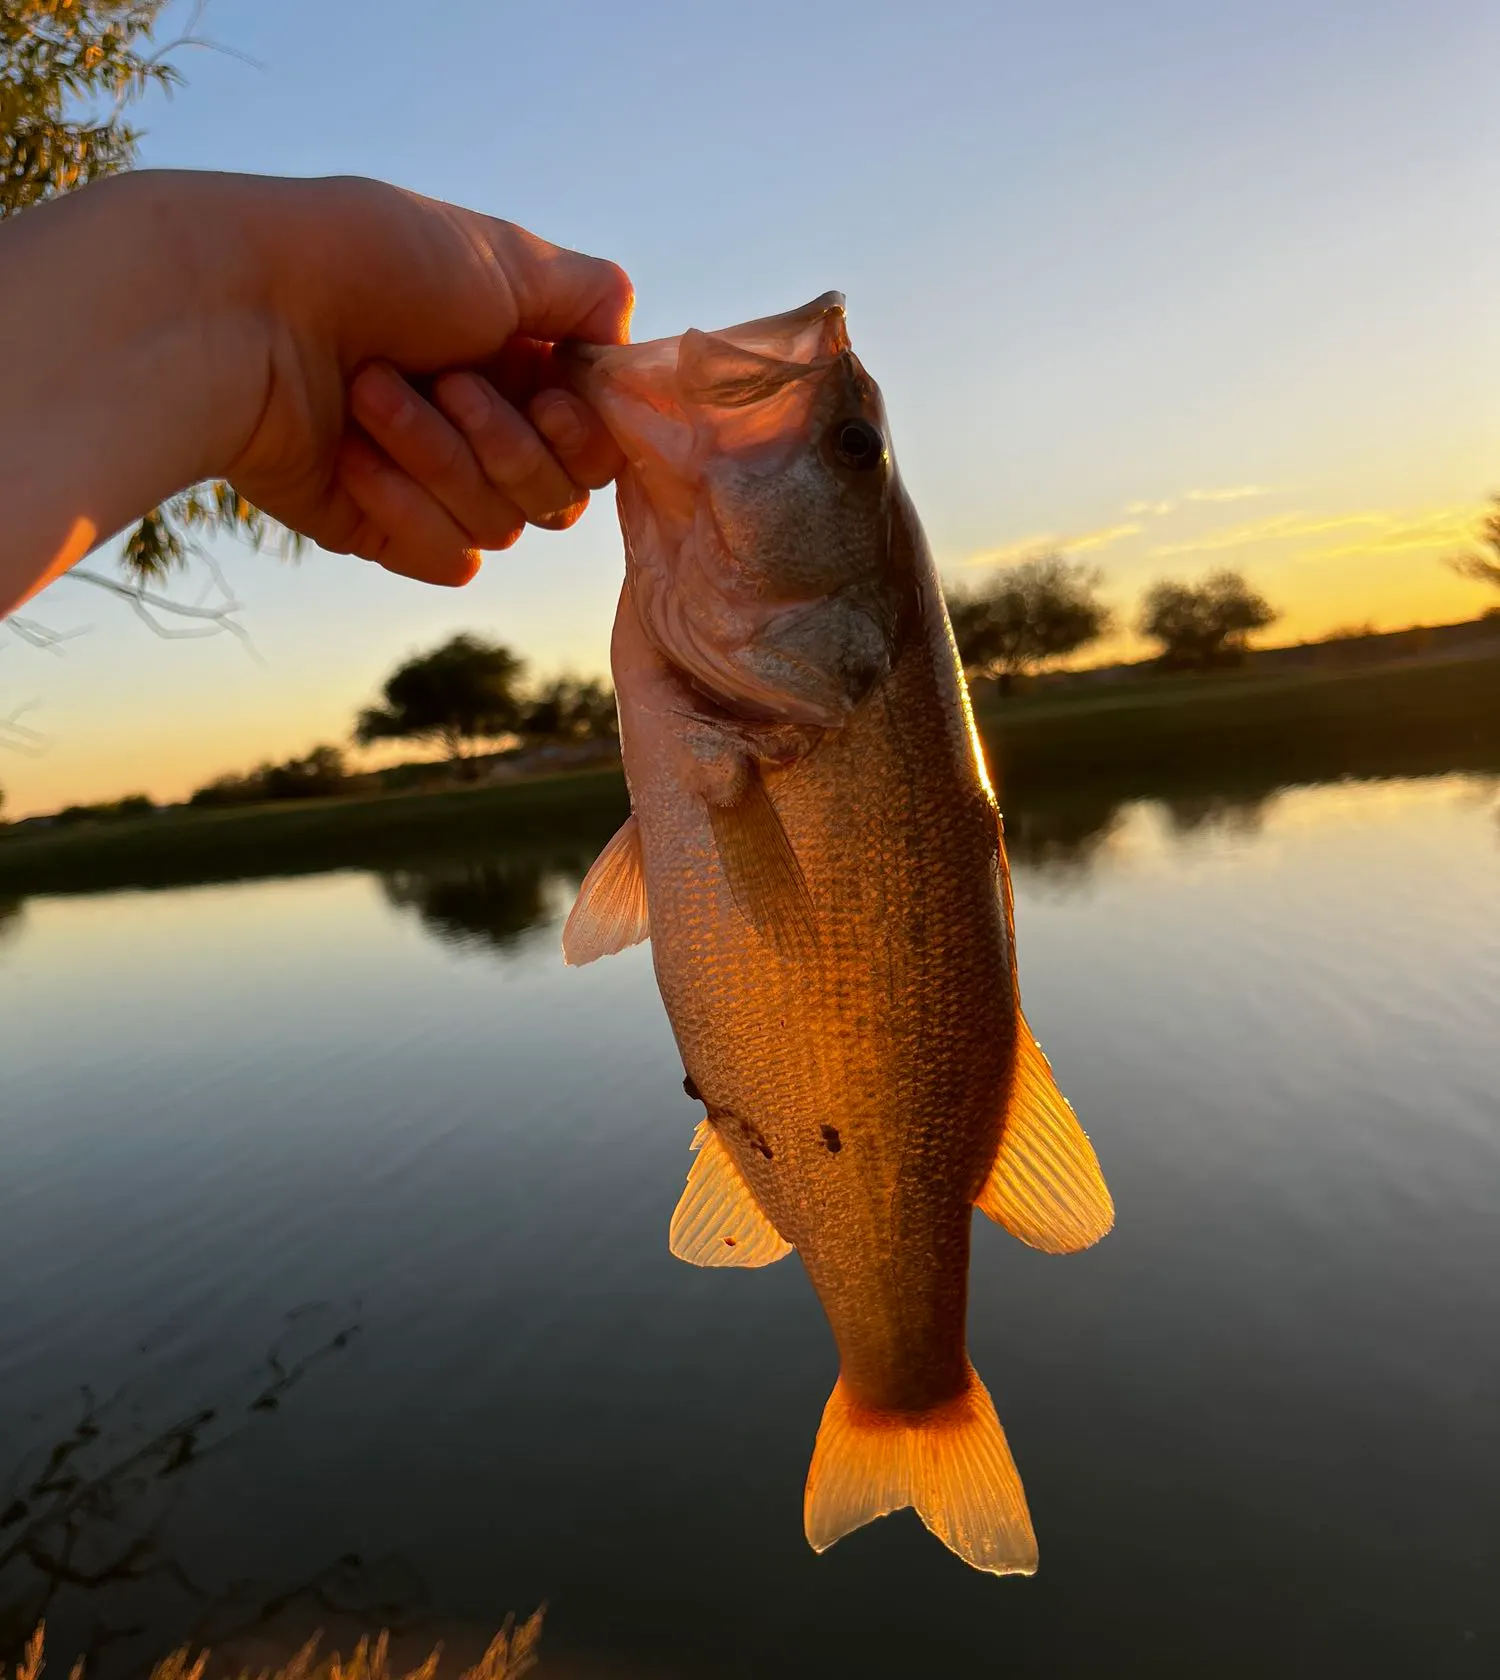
857 444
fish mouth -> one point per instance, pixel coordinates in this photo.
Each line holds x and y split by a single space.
650 395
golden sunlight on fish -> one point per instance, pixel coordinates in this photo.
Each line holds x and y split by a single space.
816 844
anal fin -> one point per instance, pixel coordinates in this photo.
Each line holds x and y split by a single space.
718 1221
1045 1186
765 879
951 1463
609 913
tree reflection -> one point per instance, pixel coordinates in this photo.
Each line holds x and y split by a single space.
1061 838
485 904
1242 814
83 1521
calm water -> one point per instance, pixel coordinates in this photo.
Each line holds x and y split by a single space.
333 1276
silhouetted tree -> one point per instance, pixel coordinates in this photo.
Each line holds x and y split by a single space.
461 692
68 71
318 776
567 710
1035 612
1483 568
1204 624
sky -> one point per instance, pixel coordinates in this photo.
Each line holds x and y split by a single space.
1167 286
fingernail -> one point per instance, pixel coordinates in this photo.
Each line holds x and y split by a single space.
383 395
559 422
466 401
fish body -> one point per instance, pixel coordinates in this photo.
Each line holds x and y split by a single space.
816 850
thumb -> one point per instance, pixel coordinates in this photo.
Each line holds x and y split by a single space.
561 293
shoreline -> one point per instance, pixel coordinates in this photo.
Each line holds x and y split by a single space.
1154 738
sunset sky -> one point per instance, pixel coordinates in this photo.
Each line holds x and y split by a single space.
1169 286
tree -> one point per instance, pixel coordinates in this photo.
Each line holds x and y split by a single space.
69 69
1204 624
318 776
1481 567
461 692
568 710
1035 612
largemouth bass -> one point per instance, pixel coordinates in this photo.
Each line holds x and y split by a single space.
817 856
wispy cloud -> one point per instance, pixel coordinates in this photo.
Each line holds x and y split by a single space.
1050 542
1149 510
1386 531
1234 493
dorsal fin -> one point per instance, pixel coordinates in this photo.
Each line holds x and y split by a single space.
1045 1186
609 913
718 1221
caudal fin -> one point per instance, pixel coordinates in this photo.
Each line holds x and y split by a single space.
951 1464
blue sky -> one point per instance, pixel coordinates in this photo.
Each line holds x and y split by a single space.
1172 285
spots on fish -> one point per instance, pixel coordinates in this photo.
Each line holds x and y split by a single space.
689 1084
729 1242
832 1142
752 1135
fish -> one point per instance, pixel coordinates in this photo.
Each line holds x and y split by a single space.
816 854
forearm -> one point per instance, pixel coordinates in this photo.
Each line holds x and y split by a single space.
129 364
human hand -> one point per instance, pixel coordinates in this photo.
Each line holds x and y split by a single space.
406 409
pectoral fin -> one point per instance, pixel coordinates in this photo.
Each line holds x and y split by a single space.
765 879
610 911
1045 1187
718 1221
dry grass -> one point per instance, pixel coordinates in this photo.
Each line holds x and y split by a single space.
511 1653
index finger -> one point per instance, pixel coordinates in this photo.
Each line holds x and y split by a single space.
564 294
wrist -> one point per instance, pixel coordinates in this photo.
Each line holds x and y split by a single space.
184 320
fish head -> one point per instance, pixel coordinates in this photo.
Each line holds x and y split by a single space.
762 511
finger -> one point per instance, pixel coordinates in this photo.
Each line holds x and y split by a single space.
579 438
563 294
423 444
513 458
404 528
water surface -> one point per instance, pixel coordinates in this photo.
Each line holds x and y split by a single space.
333 1275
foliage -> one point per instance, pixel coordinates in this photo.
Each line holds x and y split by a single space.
1199 625
320 775
511 1654
1483 568
461 692
1038 611
69 69
132 805
568 710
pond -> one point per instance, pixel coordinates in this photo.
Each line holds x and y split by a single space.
334 1285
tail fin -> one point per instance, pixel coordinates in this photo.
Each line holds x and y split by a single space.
952 1464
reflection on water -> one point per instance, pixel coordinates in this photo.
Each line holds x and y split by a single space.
1243 815
10 918
490 902
83 1511
1062 838
1258 1424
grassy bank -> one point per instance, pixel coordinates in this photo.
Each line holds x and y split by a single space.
1156 737
1159 734
185 847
